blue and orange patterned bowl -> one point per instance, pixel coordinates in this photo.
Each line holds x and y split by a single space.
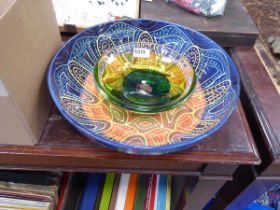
79 89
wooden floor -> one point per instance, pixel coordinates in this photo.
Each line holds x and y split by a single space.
266 15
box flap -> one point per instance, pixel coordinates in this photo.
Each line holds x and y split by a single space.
5 5
29 37
3 91
12 128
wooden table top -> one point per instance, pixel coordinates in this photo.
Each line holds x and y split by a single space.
227 30
263 96
63 148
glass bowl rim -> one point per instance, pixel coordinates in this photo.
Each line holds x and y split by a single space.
145 109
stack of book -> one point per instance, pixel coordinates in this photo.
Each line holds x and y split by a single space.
29 190
117 192
92 191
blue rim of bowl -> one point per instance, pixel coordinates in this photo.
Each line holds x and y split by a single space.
142 150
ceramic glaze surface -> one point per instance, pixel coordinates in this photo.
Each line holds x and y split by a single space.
72 86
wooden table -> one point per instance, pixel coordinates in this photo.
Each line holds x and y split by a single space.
261 100
213 160
227 30
63 148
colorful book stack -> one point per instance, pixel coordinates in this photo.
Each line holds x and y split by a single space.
29 190
126 192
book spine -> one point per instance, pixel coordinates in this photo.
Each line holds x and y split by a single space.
90 192
99 194
168 193
131 192
122 192
62 190
161 193
140 192
107 191
115 192
148 194
73 191
153 192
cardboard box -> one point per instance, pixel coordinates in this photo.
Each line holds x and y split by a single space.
29 37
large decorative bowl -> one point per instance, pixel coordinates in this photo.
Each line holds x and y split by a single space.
75 90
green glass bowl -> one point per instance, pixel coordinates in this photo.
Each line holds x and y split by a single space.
144 77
